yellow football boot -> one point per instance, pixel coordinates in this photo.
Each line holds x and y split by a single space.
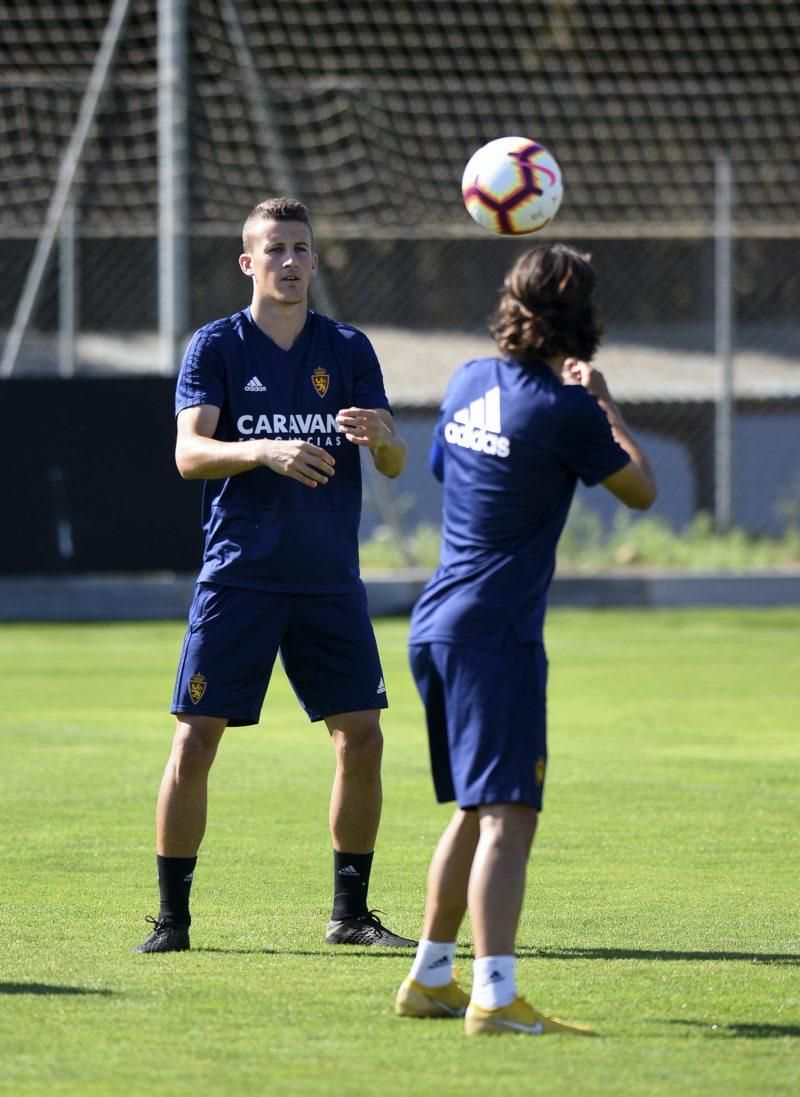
415 1000
519 1016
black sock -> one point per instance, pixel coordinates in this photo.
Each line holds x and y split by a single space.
174 884
350 884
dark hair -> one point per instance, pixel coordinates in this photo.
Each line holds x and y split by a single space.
546 308
273 209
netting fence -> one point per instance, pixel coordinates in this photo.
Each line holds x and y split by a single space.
676 124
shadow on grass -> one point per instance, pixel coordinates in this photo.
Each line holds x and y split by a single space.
742 1030
788 959
48 988
529 951
331 950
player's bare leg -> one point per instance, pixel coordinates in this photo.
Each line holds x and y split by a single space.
357 795
180 825
183 797
497 881
431 990
496 890
448 877
495 894
355 812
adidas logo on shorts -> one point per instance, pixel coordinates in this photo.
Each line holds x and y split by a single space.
477 427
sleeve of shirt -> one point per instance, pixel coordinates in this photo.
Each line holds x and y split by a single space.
201 376
437 451
585 442
368 387
436 459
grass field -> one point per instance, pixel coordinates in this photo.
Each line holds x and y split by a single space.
662 894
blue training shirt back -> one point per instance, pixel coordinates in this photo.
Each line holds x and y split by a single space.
263 530
510 444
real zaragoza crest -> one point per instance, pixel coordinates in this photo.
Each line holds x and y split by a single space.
197 687
320 379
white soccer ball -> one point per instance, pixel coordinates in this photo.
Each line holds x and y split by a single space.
512 186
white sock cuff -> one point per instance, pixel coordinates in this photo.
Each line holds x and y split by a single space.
433 963
494 981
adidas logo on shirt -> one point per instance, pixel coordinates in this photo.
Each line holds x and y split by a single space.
477 427
254 385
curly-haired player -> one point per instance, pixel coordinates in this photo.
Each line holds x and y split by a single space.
515 435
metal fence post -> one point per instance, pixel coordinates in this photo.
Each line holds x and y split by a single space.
67 290
723 343
172 181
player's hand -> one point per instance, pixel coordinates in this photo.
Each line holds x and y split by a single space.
298 460
575 372
364 427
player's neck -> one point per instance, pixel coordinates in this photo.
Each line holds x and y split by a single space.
556 364
281 322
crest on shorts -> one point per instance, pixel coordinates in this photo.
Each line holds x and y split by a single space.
320 379
197 687
540 768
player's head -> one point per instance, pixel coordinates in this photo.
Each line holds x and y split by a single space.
278 253
273 209
546 309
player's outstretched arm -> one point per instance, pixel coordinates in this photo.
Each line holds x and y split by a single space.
635 484
200 456
374 428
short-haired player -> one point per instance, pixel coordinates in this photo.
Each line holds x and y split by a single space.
274 405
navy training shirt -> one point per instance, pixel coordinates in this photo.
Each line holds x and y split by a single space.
510 445
263 530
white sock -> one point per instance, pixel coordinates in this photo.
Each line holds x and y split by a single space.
433 964
494 981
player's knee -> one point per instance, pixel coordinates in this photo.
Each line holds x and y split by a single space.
509 825
360 748
193 753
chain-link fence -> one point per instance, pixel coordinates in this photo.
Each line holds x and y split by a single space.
138 133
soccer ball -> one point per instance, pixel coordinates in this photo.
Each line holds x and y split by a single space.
512 186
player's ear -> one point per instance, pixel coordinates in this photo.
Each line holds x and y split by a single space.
314 262
246 264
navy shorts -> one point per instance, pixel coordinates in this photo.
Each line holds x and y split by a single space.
487 721
326 644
